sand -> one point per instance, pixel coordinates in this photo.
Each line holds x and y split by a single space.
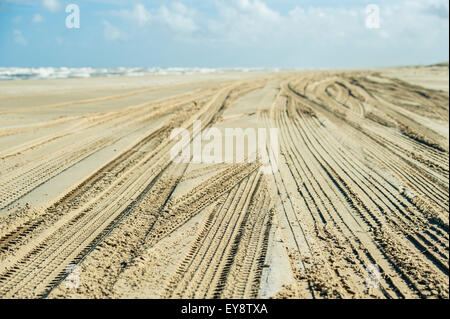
357 209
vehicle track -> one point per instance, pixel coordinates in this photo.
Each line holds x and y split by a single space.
362 184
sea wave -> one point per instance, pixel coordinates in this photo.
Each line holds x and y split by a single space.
63 72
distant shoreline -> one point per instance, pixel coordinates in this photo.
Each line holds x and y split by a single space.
46 73
43 73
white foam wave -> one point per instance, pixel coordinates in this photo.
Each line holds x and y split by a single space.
63 72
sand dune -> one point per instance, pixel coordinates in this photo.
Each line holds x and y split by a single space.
357 209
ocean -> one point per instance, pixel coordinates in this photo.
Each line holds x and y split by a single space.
63 72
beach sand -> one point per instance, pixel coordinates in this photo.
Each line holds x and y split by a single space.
93 206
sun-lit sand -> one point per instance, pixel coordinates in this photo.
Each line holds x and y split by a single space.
357 209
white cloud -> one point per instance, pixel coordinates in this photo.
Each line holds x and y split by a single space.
436 8
138 15
113 33
37 18
51 5
141 14
19 38
256 8
175 17
312 28
333 34
178 17
243 21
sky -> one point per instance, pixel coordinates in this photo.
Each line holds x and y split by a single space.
302 34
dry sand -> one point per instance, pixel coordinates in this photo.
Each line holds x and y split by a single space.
358 209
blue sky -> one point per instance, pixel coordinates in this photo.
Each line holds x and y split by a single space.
306 34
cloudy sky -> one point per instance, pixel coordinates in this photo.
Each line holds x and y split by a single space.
223 33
